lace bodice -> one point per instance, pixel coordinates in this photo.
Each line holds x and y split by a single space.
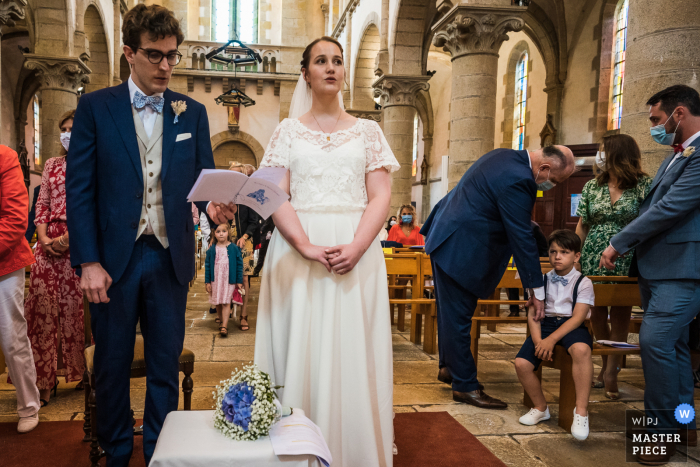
329 175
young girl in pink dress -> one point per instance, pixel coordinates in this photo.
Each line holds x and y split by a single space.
223 274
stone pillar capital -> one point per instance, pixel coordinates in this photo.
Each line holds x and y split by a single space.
11 11
477 29
62 73
399 89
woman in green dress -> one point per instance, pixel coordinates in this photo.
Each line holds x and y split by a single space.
608 203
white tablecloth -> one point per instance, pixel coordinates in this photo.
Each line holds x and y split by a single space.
189 439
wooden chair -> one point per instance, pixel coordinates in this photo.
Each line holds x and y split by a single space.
410 265
397 290
624 292
138 370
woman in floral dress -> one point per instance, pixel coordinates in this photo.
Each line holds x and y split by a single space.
54 306
608 203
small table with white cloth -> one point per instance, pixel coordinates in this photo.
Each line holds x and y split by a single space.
189 439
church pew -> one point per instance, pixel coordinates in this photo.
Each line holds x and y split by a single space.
622 293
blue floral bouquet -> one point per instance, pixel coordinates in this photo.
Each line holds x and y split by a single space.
247 405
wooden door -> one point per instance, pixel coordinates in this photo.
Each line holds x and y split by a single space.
552 211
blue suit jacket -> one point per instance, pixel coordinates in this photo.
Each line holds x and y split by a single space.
666 235
474 230
104 180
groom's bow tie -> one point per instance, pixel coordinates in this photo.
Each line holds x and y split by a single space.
141 101
556 278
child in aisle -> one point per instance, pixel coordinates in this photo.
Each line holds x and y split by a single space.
223 273
568 299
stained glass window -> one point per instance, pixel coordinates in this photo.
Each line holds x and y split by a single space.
37 131
520 102
414 169
235 19
619 64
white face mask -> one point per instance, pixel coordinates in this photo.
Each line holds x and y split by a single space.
600 159
392 223
65 140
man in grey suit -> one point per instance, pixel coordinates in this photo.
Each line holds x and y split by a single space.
666 238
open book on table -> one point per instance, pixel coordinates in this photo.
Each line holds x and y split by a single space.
296 435
260 192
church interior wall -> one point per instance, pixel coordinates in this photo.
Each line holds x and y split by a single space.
440 92
581 87
536 114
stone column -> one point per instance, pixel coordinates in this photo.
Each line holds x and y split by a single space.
662 50
381 65
119 10
60 79
324 8
473 34
10 11
347 93
425 176
398 94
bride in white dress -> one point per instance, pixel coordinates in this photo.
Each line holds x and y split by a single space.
323 329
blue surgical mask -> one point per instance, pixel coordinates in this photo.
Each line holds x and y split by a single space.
600 160
659 134
407 219
546 185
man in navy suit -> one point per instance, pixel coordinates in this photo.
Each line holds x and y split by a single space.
471 235
666 239
132 161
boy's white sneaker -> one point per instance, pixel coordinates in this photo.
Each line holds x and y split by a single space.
27 424
579 429
534 416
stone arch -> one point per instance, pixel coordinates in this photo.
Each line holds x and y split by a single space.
509 98
407 45
98 50
242 138
363 93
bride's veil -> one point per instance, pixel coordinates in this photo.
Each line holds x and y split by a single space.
303 98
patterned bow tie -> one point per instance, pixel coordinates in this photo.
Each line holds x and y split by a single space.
556 278
677 148
141 101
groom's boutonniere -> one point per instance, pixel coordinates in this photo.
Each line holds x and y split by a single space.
689 151
178 107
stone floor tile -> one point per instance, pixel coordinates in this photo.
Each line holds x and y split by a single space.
511 339
201 344
422 394
497 371
244 353
416 372
600 449
489 422
510 451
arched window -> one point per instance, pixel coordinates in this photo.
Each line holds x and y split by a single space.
37 129
621 17
414 168
235 19
520 107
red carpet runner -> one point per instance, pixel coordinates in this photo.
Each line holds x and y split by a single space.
424 439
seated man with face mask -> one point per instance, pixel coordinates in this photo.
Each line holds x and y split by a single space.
471 235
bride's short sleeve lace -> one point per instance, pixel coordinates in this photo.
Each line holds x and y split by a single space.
378 154
277 152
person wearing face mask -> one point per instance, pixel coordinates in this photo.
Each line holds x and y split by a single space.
384 233
608 203
666 240
54 305
406 232
471 235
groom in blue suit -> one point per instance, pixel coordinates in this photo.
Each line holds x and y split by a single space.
666 238
136 151
471 235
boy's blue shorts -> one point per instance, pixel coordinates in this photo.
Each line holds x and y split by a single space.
550 324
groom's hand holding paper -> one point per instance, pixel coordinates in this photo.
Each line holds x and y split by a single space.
260 192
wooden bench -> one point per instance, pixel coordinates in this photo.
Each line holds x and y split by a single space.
621 293
410 266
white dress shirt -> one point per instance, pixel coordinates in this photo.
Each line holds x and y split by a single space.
685 146
147 114
538 291
560 296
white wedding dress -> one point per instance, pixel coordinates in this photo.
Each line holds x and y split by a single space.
327 338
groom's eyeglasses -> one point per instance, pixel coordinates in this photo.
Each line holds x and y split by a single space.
156 56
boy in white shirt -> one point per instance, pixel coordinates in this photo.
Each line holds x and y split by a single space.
569 297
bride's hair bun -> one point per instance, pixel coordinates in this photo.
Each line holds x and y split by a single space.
306 56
